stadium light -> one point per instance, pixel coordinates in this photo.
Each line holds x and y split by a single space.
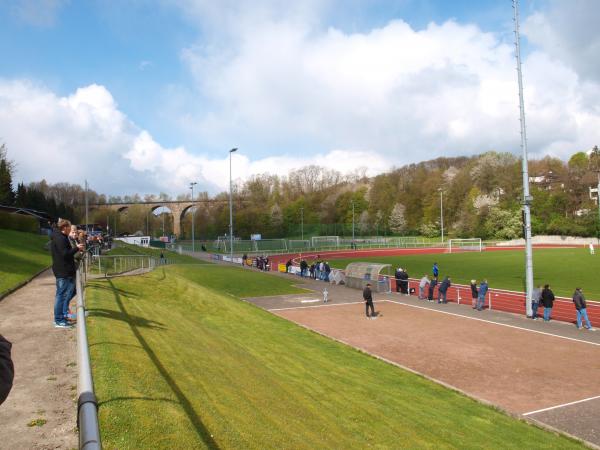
352 221
87 231
231 207
192 184
526 196
442 212
302 221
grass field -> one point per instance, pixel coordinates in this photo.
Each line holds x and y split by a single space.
125 249
564 269
22 255
180 362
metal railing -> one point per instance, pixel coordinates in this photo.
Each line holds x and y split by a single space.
115 265
87 405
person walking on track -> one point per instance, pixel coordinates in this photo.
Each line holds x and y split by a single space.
548 302
368 297
580 306
443 290
474 293
483 288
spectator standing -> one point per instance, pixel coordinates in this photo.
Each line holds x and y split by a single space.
7 369
580 306
63 267
435 270
327 268
245 257
288 264
483 288
404 282
536 296
548 302
474 293
397 277
591 249
368 297
303 267
422 285
432 286
443 290
311 269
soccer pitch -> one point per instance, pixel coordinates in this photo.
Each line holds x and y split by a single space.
562 268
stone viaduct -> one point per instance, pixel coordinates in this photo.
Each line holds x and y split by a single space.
178 208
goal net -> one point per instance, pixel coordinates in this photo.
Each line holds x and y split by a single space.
325 241
298 244
465 245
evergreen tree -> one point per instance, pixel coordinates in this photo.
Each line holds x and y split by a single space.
7 195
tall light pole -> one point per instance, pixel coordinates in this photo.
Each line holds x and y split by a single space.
163 218
442 212
302 222
86 208
352 222
192 184
231 207
526 196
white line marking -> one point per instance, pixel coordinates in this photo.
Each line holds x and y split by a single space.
561 406
323 305
494 323
313 300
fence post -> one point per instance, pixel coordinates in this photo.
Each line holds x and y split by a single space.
458 295
490 300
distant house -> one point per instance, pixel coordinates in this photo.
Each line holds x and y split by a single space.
547 181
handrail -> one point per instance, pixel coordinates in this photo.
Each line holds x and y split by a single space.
87 406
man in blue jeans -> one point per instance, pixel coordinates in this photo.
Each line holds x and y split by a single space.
483 288
63 267
581 307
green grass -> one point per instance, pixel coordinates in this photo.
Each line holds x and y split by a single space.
124 249
22 255
180 362
564 269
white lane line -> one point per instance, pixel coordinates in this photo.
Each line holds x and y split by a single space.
313 300
323 305
561 406
494 323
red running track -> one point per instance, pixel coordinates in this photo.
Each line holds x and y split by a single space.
497 299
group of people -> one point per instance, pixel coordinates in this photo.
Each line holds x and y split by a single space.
318 270
427 286
401 277
260 262
545 297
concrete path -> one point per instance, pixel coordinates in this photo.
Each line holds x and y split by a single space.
40 412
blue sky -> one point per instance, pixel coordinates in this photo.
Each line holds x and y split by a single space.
158 91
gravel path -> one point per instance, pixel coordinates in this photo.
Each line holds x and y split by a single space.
44 390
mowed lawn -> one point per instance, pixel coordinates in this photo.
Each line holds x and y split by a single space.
22 255
125 249
181 362
563 268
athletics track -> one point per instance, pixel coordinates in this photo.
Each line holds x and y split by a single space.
497 299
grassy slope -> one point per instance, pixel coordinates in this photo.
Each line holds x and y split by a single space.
179 362
128 249
564 269
22 255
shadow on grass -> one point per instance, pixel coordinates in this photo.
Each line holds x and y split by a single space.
103 287
120 399
199 427
124 317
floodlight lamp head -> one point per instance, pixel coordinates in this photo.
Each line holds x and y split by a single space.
233 150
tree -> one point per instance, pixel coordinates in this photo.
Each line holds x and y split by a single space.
397 221
7 195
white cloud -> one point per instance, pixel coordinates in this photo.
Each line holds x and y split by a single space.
40 13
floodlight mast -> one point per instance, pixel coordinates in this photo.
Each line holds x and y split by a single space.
526 195
231 207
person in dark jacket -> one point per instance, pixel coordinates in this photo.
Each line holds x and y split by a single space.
443 290
403 282
7 369
474 293
303 267
398 278
327 271
548 302
483 288
536 296
580 306
368 298
432 286
63 267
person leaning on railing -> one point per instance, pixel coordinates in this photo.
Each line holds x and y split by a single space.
63 267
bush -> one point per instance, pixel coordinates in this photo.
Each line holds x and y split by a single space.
19 222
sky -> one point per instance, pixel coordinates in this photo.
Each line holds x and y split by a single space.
145 96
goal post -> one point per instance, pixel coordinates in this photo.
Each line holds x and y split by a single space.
465 245
298 244
325 241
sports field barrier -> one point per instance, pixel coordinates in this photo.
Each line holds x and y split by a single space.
115 265
87 405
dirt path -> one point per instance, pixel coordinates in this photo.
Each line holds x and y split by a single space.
45 373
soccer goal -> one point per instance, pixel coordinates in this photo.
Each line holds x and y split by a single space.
465 245
325 241
298 244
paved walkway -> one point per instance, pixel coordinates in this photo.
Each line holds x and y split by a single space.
45 386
